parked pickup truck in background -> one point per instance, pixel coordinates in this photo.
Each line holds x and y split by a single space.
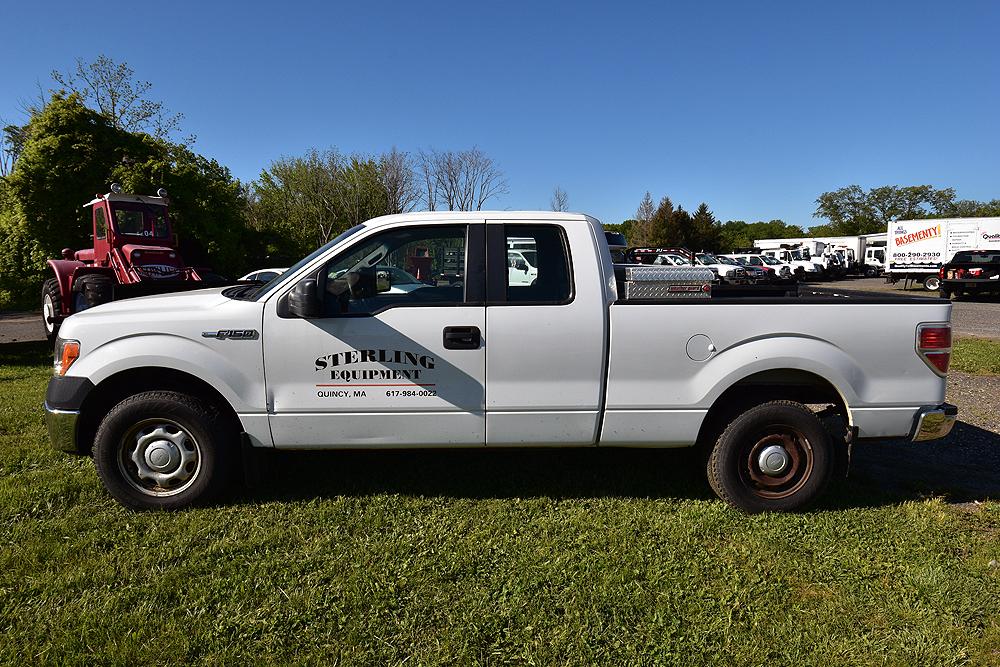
972 272
167 392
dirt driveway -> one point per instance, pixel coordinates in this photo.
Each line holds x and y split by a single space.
20 327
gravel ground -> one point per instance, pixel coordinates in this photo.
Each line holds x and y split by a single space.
963 467
19 327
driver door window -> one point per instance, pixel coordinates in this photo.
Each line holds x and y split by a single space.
408 266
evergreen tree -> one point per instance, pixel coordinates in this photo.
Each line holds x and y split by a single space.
707 233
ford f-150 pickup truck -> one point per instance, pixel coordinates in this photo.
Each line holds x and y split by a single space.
168 392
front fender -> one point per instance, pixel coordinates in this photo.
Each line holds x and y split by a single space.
234 368
63 270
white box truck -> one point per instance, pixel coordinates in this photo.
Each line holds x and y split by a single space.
917 249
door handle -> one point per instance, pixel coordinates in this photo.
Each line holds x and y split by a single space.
462 338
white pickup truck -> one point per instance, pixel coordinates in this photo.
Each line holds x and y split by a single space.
168 392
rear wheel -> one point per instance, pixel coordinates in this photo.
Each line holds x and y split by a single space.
932 283
776 457
51 309
944 292
164 450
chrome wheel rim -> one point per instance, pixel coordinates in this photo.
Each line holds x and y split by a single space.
159 457
777 462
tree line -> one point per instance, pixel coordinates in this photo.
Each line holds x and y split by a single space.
851 211
99 125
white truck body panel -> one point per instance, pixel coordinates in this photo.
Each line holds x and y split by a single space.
922 246
545 364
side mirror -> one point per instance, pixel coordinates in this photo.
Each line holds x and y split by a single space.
304 300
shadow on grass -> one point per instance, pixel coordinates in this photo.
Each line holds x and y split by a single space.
26 353
961 468
483 473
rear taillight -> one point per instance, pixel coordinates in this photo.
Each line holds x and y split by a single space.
934 346
941 272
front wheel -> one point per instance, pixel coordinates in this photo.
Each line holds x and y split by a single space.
164 450
51 309
774 457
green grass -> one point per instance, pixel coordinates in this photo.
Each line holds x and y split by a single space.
976 355
568 557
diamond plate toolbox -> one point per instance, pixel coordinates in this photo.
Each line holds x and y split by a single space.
644 282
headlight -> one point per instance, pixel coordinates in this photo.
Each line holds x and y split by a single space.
67 351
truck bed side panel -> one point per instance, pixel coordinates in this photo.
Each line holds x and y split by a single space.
658 394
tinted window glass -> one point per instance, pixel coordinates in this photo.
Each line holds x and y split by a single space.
538 264
100 223
403 266
138 220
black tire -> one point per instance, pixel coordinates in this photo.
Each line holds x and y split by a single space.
931 283
736 477
95 288
945 293
51 309
205 434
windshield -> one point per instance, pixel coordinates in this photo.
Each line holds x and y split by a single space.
270 285
729 260
145 220
707 258
978 256
769 260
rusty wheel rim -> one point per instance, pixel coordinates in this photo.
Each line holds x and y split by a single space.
800 462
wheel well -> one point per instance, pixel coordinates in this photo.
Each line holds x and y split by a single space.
115 388
773 385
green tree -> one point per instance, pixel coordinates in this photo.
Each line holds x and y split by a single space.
67 157
852 210
739 234
706 232
70 153
206 203
305 201
625 228
662 231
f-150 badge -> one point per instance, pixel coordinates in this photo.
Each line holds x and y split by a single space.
231 334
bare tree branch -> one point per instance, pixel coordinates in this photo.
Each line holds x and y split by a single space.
399 180
118 96
560 200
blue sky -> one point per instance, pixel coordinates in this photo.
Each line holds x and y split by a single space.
752 107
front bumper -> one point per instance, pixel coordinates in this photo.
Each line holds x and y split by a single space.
934 422
62 428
